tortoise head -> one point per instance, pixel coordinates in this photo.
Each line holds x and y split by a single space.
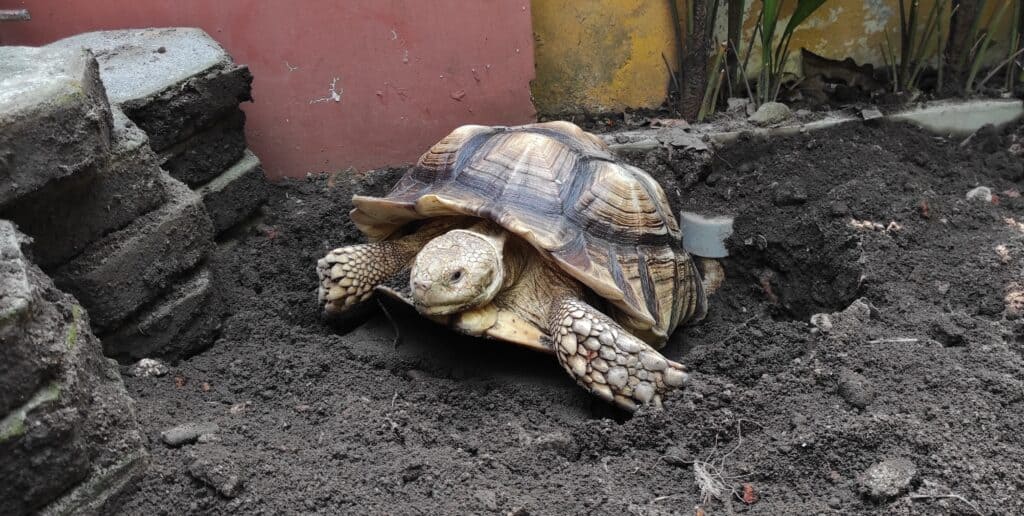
457 271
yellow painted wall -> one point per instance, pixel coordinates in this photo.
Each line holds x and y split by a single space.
600 55
606 55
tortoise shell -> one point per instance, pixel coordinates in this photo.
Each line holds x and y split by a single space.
605 223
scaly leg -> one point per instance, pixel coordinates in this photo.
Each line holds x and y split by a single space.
349 274
609 361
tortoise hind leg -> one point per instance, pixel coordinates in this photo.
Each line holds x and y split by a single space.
608 360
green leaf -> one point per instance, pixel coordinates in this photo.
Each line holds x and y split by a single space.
804 9
769 21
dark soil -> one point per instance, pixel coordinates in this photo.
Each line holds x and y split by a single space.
922 360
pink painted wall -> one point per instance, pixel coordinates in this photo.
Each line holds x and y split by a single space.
408 71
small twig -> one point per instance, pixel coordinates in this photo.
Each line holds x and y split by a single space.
918 496
719 156
999 67
675 80
394 325
897 340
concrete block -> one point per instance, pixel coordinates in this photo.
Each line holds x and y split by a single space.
54 117
179 324
236 193
67 215
209 152
27 352
173 82
70 427
116 276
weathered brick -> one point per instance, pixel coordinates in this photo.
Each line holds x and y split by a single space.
236 193
172 82
54 117
209 152
67 215
116 276
178 324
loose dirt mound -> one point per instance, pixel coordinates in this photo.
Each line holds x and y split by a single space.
921 361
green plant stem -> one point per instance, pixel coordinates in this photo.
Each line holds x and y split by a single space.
985 44
1014 38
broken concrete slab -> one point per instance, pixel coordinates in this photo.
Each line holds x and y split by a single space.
172 82
67 215
207 153
76 424
28 356
179 324
54 117
116 276
236 193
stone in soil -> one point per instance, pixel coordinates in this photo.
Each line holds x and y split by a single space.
187 433
68 214
116 276
223 478
69 438
235 194
54 117
148 367
209 152
887 479
770 113
855 389
176 325
172 82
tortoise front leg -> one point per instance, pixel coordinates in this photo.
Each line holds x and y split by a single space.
609 361
348 274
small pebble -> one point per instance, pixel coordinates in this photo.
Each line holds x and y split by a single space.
187 433
770 113
148 367
222 477
855 389
823 322
887 479
981 193
558 442
790 193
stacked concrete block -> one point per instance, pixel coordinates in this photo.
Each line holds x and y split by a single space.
184 91
54 116
129 268
115 229
68 435
179 324
122 185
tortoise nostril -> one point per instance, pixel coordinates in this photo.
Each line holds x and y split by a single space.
421 284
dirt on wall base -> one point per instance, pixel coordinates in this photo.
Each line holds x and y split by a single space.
916 374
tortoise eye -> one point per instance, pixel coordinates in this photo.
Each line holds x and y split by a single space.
456 276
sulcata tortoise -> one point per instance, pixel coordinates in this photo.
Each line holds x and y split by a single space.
538 236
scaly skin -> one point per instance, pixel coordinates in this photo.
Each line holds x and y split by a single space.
349 274
609 361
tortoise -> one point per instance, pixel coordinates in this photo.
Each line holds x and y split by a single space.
536 235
